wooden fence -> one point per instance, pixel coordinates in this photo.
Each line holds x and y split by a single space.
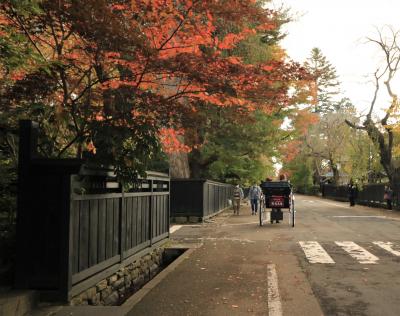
369 194
199 197
76 226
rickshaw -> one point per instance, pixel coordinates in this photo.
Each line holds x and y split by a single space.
278 195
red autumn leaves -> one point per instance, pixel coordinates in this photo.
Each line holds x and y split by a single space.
161 58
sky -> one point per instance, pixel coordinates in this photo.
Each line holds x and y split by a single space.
340 29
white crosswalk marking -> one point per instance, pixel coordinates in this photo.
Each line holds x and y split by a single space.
388 246
360 254
315 253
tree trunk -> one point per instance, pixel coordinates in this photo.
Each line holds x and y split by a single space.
179 166
335 172
195 164
198 165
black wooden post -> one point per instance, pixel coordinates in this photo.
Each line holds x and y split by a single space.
151 206
28 132
122 224
66 240
169 208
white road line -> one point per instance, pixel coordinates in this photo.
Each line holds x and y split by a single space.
315 253
388 246
334 204
240 224
174 228
274 299
360 254
358 216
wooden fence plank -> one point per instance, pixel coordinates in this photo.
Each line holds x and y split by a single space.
166 214
84 235
159 214
134 222
93 232
139 225
147 211
109 228
75 237
102 236
128 223
154 216
116 227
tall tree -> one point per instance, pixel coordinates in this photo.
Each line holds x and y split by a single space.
114 77
362 155
383 132
328 142
325 83
235 144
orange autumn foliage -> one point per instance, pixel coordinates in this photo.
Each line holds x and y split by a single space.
304 119
161 58
171 142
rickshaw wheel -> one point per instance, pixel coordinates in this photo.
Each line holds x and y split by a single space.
293 214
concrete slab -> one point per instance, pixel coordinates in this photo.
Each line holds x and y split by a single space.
17 302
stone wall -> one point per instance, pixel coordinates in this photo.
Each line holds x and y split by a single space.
120 285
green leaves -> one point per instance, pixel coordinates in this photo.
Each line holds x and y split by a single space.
325 80
238 150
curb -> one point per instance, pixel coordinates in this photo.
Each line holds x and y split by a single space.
126 307
138 296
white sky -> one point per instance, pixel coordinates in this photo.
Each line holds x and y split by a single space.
339 28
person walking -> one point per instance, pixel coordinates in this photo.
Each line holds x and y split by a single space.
352 192
388 196
237 197
254 197
283 177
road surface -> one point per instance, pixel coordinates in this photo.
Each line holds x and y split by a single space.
337 260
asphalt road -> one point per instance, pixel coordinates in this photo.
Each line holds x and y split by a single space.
337 260
352 285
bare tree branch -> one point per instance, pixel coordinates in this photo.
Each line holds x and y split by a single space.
355 126
377 77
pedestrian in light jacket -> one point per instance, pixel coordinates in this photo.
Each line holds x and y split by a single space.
237 197
388 196
254 197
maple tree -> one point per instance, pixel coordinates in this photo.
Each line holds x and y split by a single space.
114 77
232 145
296 160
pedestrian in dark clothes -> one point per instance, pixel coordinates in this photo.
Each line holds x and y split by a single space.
352 192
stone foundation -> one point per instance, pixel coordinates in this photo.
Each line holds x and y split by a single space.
186 219
114 289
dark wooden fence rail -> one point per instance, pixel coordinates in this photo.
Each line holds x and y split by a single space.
369 194
199 197
76 226
335 192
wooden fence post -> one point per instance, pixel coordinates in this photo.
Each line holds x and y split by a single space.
27 150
